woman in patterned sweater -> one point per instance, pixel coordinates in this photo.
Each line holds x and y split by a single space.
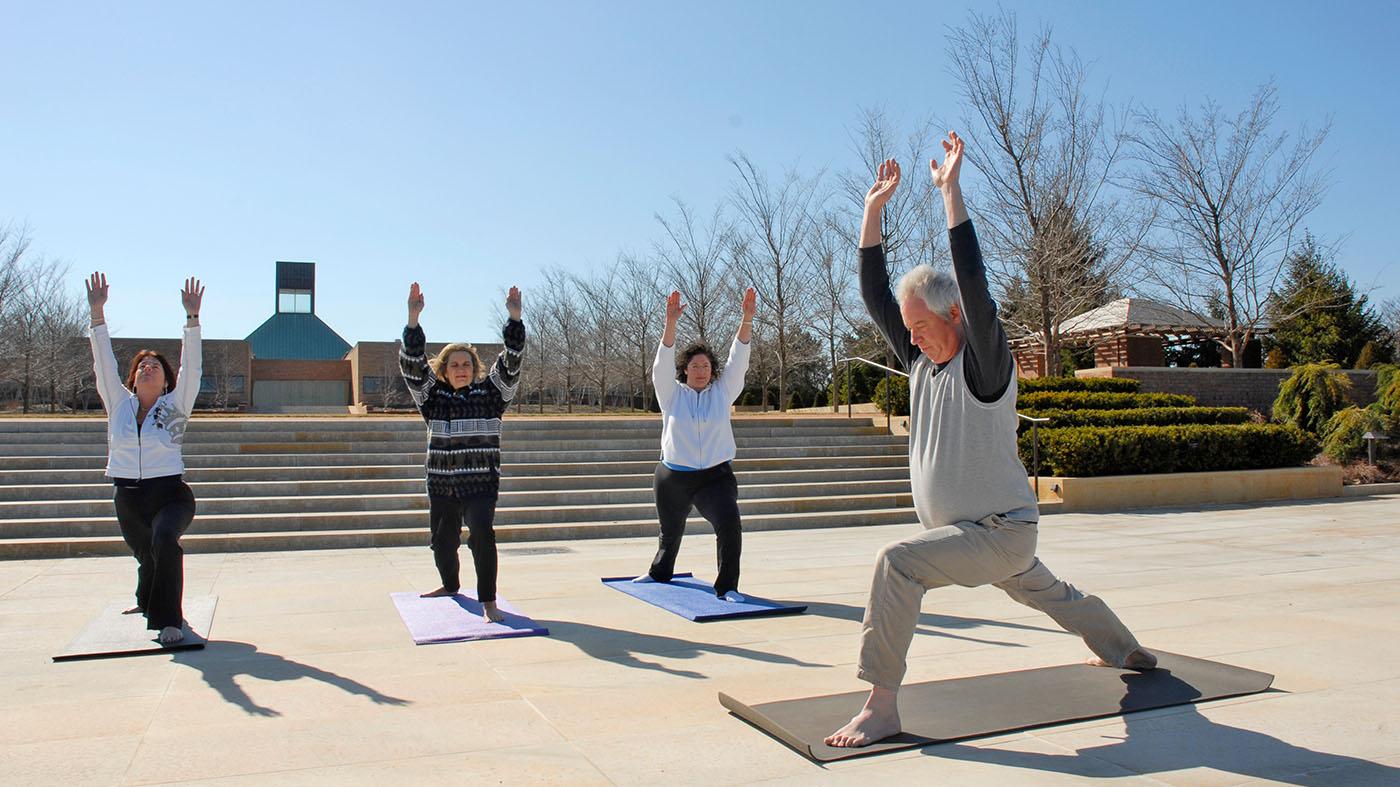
462 405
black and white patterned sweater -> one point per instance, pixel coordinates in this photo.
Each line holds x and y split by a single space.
464 424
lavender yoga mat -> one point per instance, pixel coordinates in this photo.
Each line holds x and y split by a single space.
458 618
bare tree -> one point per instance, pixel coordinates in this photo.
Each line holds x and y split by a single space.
640 299
694 257
557 307
1231 197
1048 155
911 226
836 304
600 312
772 254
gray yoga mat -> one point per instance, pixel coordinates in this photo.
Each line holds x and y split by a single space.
960 708
112 634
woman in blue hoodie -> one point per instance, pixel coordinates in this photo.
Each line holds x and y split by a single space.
146 418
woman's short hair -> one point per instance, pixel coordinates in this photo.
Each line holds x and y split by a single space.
439 362
142 355
937 289
694 349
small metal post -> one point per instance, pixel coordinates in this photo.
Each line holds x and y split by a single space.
889 401
1371 438
1035 455
848 388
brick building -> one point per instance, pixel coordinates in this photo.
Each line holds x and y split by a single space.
1128 332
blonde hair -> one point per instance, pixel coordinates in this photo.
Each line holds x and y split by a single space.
439 362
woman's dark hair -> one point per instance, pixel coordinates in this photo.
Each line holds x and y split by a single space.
164 364
696 348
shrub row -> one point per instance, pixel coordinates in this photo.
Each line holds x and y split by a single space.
1096 450
1094 400
1140 416
1102 384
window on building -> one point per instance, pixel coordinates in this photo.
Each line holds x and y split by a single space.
372 385
234 384
294 301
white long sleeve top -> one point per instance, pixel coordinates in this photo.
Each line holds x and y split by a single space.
154 450
695 427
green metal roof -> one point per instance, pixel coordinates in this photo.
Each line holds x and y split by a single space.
297 337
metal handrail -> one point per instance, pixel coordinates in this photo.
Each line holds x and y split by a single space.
1035 422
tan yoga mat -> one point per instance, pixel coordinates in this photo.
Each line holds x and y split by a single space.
113 634
949 710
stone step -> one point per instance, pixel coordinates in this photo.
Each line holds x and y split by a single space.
412 483
193 449
535 472
417 457
603 499
204 436
97 424
416 516
197 542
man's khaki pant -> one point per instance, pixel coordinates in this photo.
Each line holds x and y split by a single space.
993 551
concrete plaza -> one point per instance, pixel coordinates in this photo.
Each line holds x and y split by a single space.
312 679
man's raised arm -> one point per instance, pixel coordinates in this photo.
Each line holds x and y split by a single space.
874 271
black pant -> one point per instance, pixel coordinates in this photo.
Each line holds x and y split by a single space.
715 494
446 515
153 514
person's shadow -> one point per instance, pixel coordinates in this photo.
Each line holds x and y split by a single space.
1181 741
222 661
931 624
629 647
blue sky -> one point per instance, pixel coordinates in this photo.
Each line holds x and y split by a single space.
468 146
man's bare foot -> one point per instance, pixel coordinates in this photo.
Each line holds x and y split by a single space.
134 610
1137 660
643 579
439 593
490 614
171 634
879 719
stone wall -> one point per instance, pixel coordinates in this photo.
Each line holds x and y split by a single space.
1252 388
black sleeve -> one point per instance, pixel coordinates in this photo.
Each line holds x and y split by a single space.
880 302
987 361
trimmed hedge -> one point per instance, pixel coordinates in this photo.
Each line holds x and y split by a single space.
1100 384
1094 400
1119 450
1140 416
899 400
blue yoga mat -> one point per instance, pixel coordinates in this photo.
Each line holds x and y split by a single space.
458 618
695 600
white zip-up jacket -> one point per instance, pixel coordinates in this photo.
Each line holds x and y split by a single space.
154 450
695 428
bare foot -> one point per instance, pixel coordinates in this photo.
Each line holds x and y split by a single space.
134 611
879 719
171 634
490 614
734 597
1138 660
439 593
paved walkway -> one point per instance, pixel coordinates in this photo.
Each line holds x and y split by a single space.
312 678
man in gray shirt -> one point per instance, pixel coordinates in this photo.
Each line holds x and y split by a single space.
970 488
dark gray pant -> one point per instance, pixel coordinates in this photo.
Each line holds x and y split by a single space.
446 515
153 514
715 494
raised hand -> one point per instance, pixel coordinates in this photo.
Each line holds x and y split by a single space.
191 296
512 303
886 181
674 308
96 285
946 175
415 303
750 304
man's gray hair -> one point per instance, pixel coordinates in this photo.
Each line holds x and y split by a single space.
937 289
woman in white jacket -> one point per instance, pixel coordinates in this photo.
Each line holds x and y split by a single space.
697 444
146 419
